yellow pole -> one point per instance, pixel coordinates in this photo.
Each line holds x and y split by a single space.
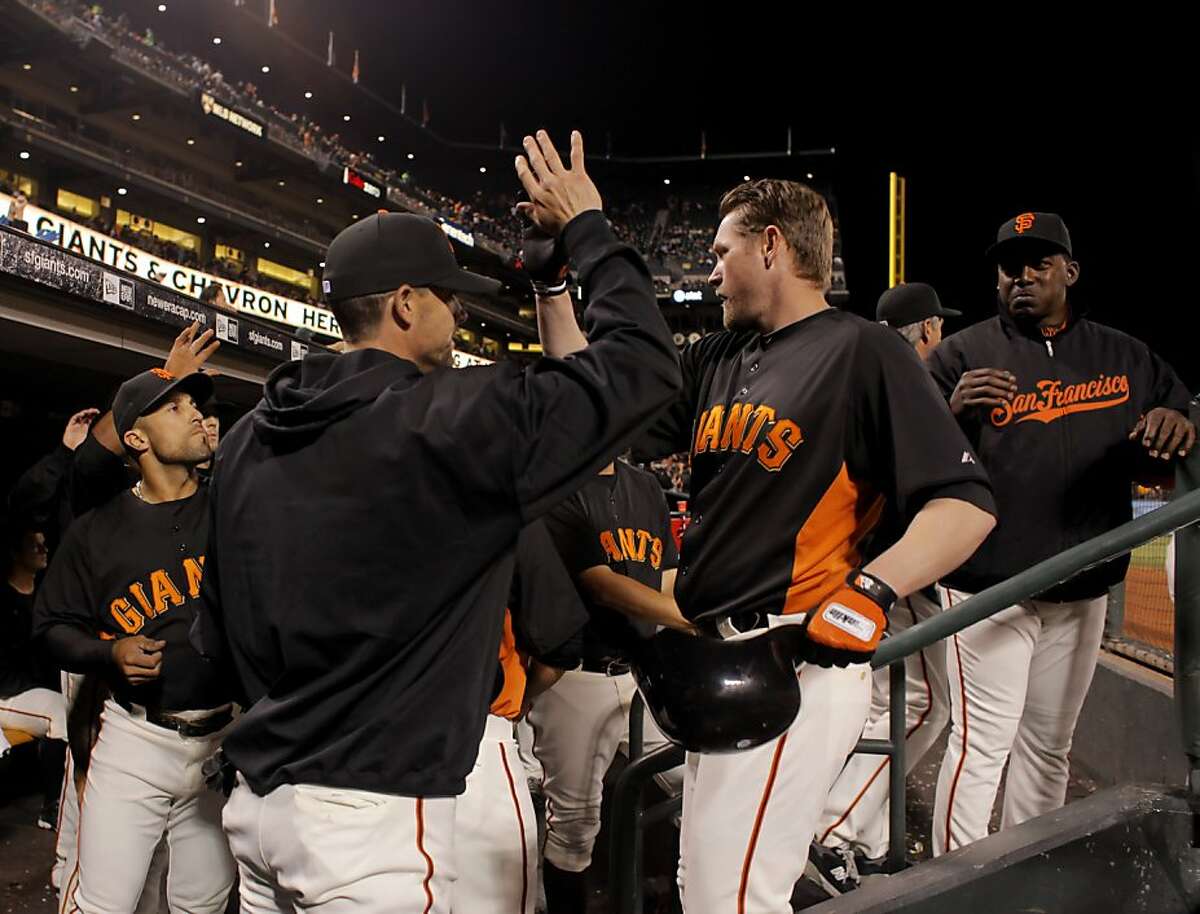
896 220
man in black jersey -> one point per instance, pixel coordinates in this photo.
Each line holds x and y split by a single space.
809 428
119 600
614 536
365 516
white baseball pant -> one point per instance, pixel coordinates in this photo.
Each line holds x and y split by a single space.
579 725
749 817
38 712
154 893
1017 685
66 846
145 781
856 813
495 835
66 842
533 768
326 850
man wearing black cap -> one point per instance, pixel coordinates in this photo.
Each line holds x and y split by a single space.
118 600
1059 409
852 838
914 311
364 521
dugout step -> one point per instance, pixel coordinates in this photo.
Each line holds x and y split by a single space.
1126 850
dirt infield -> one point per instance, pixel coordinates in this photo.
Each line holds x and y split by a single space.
1149 615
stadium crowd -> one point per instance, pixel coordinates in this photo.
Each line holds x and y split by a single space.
674 236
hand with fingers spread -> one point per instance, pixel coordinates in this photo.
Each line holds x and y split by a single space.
1165 433
983 387
557 194
190 352
77 428
138 658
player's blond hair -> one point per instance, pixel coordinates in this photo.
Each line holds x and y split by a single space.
800 214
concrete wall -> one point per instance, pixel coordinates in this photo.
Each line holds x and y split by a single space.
1129 728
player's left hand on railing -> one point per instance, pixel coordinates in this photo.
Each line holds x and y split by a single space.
847 627
1165 433
190 352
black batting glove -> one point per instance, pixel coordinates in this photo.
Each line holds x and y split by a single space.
545 261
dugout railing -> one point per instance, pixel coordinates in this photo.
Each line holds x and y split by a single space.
629 818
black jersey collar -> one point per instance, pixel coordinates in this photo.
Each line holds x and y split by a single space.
767 340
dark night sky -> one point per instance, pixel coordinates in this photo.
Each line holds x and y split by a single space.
1016 111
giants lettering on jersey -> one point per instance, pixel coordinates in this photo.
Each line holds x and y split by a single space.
742 427
156 594
629 545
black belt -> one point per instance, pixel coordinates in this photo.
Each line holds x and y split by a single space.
206 726
194 728
607 667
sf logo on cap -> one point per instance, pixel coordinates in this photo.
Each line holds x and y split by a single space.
1024 222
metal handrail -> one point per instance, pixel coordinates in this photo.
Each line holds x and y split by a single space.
628 818
1181 512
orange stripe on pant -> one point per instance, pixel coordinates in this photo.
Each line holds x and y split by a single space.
26 714
69 895
962 684
512 789
887 761
428 859
762 809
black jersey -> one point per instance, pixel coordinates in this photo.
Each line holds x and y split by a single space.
802 442
365 520
132 568
1059 453
620 521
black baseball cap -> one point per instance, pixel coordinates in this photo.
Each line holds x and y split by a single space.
144 393
910 302
387 250
1048 228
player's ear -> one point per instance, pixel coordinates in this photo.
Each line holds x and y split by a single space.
401 306
1072 272
135 440
771 245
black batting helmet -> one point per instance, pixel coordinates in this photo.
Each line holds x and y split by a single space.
709 695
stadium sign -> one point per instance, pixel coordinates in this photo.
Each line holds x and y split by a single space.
687 295
79 276
458 234
465 359
118 255
354 179
210 105
49 265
